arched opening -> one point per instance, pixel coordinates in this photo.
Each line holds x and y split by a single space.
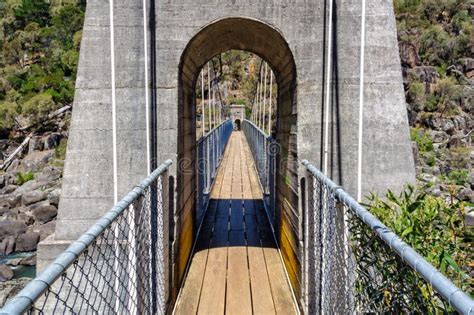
269 44
237 126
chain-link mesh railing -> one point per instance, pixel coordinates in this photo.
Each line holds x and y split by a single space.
354 263
118 266
210 149
264 151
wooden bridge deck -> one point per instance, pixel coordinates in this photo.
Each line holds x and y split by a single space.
236 267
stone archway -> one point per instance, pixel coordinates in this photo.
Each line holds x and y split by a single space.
268 43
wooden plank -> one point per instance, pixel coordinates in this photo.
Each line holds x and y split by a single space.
238 299
262 300
283 302
213 293
280 288
189 299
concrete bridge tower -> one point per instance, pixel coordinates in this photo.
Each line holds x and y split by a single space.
135 105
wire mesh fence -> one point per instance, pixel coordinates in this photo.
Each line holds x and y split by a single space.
354 263
118 266
210 149
264 151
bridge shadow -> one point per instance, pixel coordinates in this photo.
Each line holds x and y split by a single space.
235 222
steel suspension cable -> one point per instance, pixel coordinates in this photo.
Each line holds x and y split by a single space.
270 105
328 90
361 104
261 100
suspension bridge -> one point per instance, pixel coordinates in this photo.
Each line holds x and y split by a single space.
235 213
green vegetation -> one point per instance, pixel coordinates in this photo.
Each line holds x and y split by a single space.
459 177
40 51
60 150
435 228
441 34
422 140
236 101
22 178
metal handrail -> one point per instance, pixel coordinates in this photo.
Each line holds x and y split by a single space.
450 292
211 132
23 301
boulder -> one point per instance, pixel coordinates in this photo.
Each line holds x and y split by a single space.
4 207
33 197
37 205
28 186
14 262
44 230
49 175
53 196
466 194
409 55
13 200
35 145
2 181
27 242
12 227
51 141
434 190
6 273
11 288
467 65
35 161
426 74
469 217
44 214
28 261
14 165
7 245
8 189
438 136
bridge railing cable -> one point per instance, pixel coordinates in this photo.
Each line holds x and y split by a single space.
354 263
210 149
264 150
118 266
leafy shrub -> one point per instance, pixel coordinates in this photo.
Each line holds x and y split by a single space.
459 177
60 150
416 95
422 140
38 107
433 227
435 47
237 101
22 178
430 158
7 113
431 104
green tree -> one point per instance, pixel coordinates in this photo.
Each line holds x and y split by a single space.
7 114
33 11
38 107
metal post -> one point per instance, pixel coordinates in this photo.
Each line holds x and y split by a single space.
203 109
209 95
270 104
208 157
264 97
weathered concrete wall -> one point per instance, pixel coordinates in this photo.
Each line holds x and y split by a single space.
88 178
237 112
